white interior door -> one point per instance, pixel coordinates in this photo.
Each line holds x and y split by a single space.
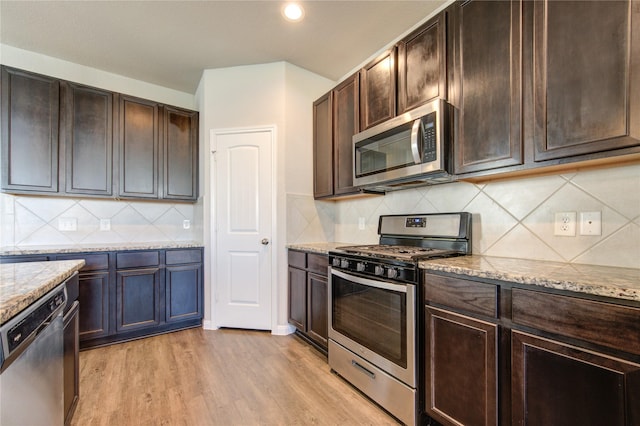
242 231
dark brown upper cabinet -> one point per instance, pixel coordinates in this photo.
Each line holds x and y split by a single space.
587 77
322 147
422 65
30 109
139 144
66 139
346 115
87 137
485 86
378 90
180 154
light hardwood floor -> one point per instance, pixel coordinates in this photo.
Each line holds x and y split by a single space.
221 377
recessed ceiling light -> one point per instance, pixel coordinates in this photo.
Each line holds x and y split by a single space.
293 12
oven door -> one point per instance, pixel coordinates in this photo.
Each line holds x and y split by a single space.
375 319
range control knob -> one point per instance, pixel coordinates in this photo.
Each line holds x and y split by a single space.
344 263
360 266
379 270
335 262
392 273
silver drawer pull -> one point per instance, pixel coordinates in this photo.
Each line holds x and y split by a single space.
363 369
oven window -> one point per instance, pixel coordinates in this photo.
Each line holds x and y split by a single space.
374 318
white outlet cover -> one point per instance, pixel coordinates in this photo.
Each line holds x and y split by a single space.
186 224
590 223
105 224
361 223
67 224
565 224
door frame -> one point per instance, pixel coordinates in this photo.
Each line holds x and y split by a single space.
213 256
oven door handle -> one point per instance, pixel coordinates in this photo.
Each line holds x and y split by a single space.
402 288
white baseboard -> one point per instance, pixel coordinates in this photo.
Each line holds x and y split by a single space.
283 330
208 325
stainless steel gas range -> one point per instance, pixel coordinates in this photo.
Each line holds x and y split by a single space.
374 315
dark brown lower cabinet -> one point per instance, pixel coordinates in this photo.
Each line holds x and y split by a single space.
297 298
461 369
317 308
71 362
137 299
558 384
308 292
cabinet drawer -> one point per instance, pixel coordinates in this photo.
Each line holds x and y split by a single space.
92 262
176 257
318 263
298 259
470 296
579 318
137 259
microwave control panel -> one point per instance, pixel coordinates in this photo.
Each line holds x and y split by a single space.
429 148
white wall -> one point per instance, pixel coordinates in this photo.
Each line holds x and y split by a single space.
276 94
54 67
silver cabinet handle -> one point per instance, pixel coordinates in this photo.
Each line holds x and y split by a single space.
265 241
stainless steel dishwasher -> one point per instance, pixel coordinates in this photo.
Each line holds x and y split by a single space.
31 369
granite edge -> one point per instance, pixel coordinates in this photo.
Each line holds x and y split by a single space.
18 303
576 286
15 251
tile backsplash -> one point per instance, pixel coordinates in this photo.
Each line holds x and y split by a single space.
511 218
35 221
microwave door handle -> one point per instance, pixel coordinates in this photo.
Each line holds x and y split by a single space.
415 142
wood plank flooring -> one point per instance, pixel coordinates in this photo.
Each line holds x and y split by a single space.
221 377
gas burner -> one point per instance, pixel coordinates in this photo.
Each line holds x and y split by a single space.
399 252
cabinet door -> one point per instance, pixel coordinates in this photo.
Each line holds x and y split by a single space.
587 85
298 298
137 299
322 148
94 305
139 145
485 88
180 148
317 308
461 369
558 384
183 292
29 132
378 90
421 65
86 135
346 116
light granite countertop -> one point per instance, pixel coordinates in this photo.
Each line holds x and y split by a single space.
21 284
82 248
322 248
619 283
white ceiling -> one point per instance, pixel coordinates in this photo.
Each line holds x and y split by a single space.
170 43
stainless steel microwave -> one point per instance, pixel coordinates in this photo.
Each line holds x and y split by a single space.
408 150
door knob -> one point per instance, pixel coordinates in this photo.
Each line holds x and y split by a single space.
265 241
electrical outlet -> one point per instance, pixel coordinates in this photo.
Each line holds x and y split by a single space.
105 224
565 224
186 224
361 223
67 224
590 223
